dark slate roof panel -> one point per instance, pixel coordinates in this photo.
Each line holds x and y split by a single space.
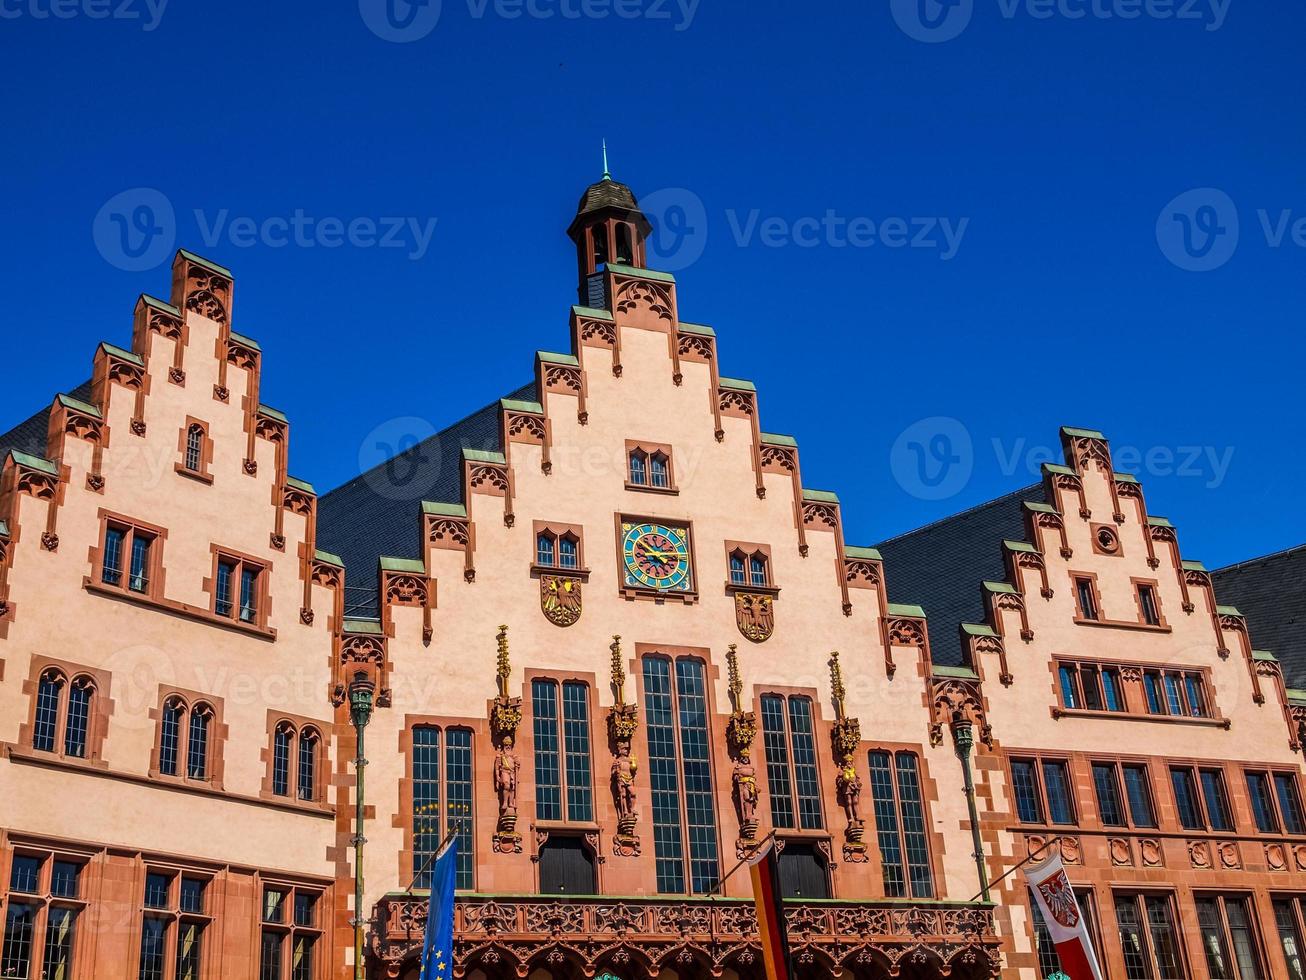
1271 592
29 436
941 566
378 513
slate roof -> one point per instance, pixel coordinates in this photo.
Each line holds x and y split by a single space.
942 566
1271 592
605 194
378 512
29 436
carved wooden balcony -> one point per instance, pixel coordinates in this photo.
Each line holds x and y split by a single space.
511 936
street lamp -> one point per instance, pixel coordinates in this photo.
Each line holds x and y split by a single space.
963 737
361 690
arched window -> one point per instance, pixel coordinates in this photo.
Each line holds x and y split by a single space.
80 694
568 552
194 448
197 745
544 550
285 734
170 735
757 570
308 740
48 695
638 468
625 248
737 569
599 239
659 471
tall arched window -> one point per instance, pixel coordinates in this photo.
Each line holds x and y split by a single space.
48 695
197 745
308 740
80 693
625 247
194 448
285 734
170 735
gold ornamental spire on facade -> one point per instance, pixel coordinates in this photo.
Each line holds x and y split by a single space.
618 670
837 691
736 685
504 670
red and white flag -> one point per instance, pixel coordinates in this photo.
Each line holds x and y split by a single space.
1065 921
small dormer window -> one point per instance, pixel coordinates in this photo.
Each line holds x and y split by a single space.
649 467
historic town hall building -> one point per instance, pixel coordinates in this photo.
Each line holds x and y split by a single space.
611 651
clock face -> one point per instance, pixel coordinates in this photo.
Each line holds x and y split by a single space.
655 556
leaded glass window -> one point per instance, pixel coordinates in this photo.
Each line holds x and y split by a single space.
80 693
170 736
790 745
576 743
197 745
1056 781
900 824
1138 791
281 740
1110 808
308 743
548 767
679 756
1024 783
426 802
111 567
194 448
1287 919
442 800
48 693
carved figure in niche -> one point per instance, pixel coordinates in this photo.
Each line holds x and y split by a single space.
849 787
505 779
624 768
747 793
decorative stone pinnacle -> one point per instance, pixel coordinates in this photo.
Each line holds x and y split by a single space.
618 670
736 685
504 666
837 691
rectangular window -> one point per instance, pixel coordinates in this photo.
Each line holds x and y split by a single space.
1289 797
1147 605
1152 688
431 821
1070 687
1087 598
789 741
287 950
23 953
1216 799
173 926
1110 807
679 751
1049 963
1196 691
562 771
125 559
1138 791
1060 799
1258 788
1229 942
1148 937
1111 689
1185 798
1024 782
1091 684
900 825
237 592
1288 921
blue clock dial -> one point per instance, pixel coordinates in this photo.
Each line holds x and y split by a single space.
655 556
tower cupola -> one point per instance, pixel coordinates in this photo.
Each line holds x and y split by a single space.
609 228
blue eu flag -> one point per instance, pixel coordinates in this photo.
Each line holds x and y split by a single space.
437 946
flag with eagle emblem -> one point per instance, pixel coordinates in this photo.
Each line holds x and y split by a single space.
1055 899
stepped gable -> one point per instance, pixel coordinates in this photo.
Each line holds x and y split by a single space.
938 565
378 512
1271 592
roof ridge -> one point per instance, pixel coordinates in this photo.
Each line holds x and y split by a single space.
949 518
1259 558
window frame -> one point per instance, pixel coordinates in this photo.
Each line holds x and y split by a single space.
190 702
647 452
1248 900
44 900
408 866
932 848
130 529
1294 903
1139 900
1149 587
1196 770
173 915
1080 580
1039 762
201 471
239 562
564 776
748 552
289 927
796 829
98 708
556 533
1272 775
298 728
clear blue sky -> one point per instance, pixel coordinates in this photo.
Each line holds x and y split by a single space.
1050 137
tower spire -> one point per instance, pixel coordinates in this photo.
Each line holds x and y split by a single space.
607 174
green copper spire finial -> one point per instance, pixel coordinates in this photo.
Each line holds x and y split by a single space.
607 174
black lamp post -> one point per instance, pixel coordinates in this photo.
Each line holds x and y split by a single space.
361 690
963 737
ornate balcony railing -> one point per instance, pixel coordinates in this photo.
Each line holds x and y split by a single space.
512 935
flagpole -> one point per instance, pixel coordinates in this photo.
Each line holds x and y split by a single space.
722 880
1032 856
